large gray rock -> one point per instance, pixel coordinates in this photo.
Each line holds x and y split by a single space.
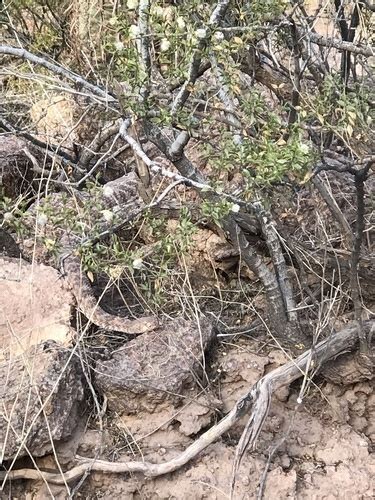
156 367
41 398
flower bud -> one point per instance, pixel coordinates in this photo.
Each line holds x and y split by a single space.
133 31
180 23
132 4
201 33
165 45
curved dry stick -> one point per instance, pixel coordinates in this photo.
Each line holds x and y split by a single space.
258 396
314 359
8 50
338 44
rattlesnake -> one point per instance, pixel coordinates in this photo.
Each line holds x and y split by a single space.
121 198
88 304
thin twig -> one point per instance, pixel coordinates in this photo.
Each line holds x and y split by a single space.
334 208
339 44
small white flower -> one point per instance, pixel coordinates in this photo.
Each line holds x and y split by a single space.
201 33
304 148
133 31
107 215
237 139
132 4
299 400
119 46
115 272
42 219
157 10
8 216
180 23
138 263
165 45
235 208
219 36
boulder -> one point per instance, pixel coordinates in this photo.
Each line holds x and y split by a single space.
155 367
41 400
34 307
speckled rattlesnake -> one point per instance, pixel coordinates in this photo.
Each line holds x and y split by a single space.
120 197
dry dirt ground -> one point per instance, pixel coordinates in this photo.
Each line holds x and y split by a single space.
320 449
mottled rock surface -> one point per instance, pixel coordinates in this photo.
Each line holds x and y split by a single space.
41 398
155 367
34 307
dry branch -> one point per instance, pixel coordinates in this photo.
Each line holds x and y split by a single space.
56 68
340 44
195 64
258 399
334 208
276 252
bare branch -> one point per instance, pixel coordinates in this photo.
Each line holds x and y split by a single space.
164 143
177 148
339 44
260 394
56 68
334 208
143 44
101 137
155 168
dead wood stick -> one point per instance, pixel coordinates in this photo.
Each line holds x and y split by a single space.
258 398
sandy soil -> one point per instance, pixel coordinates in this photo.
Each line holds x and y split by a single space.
321 449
